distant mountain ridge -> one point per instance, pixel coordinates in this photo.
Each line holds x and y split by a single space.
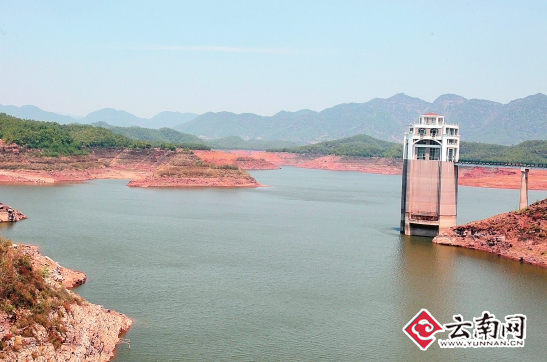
108 115
386 119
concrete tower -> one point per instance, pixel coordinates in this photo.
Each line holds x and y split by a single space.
430 177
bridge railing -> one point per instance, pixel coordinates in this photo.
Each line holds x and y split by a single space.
502 164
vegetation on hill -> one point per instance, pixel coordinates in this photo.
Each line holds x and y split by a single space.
51 137
162 135
73 139
238 143
360 145
366 146
27 298
525 152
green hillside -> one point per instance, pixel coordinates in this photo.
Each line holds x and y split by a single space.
162 135
525 152
366 146
72 139
360 145
238 143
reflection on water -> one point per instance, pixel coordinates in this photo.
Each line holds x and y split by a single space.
311 268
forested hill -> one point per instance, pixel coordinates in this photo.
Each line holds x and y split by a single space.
359 145
170 135
166 135
524 152
72 139
366 146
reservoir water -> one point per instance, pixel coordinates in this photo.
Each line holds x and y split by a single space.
312 268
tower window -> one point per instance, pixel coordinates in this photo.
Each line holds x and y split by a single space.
434 154
451 154
421 153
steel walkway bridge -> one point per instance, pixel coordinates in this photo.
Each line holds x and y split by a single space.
524 168
464 162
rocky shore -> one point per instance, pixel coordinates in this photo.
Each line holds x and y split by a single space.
9 214
519 235
88 332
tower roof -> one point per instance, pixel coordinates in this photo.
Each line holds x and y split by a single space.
431 114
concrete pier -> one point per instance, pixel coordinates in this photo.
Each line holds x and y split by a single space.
430 197
523 188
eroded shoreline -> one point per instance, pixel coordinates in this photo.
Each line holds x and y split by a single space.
517 235
163 168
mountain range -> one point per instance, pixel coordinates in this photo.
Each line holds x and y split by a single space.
386 119
108 115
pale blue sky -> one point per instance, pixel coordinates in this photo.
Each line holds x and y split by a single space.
75 57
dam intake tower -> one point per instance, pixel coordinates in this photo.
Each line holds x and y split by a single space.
429 199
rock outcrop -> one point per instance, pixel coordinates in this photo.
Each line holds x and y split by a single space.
519 235
69 278
8 214
92 333
89 332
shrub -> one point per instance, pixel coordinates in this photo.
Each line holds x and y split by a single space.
27 298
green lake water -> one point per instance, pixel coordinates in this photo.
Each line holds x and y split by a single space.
311 268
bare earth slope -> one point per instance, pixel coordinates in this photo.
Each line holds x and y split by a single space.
519 235
145 167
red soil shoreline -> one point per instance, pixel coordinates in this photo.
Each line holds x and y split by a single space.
518 235
503 178
143 168
140 167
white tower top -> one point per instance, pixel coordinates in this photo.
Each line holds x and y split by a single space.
432 139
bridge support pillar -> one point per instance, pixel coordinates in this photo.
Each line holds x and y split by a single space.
523 188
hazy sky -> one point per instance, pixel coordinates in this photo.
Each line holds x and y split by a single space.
75 57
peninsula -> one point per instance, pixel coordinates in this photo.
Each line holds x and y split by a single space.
46 152
152 167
